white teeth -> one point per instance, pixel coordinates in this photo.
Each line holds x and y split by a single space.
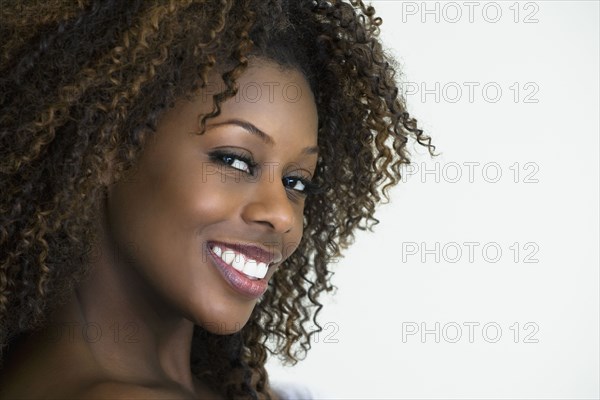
261 269
228 256
247 266
250 268
238 262
255 269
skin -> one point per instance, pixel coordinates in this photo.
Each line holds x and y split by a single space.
152 279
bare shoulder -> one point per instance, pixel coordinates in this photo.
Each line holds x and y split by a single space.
121 391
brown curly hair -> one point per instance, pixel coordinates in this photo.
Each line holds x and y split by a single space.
83 81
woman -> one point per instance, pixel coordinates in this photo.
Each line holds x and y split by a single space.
176 179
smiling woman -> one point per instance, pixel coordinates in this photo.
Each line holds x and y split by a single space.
176 177
208 211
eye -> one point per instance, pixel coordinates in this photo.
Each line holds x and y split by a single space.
301 185
238 164
233 160
295 184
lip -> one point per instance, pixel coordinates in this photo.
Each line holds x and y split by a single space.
243 285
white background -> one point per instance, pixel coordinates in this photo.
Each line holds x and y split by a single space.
391 284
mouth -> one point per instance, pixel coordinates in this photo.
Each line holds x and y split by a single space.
243 267
252 268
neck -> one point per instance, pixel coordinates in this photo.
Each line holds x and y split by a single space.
123 325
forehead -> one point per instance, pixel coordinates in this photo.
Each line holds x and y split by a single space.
278 101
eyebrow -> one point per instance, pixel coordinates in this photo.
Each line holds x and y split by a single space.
251 128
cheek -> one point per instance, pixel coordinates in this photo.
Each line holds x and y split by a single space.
292 240
215 198
192 200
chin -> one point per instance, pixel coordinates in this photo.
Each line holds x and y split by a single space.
225 321
223 328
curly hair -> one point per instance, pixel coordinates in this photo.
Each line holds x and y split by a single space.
83 81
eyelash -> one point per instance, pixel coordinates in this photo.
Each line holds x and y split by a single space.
310 187
218 156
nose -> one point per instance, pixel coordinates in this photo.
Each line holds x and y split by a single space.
270 206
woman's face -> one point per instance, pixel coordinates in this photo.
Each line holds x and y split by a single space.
203 216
